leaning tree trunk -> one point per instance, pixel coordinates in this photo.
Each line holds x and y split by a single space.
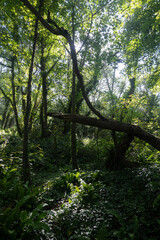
131 130
90 86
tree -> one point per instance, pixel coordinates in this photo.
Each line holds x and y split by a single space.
139 35
9 61
96 30
26 170
107 123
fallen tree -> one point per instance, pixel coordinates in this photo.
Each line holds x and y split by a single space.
114 125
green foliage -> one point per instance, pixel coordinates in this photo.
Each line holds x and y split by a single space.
112 205
93 152
16 223
79 205
140 33
22 211
102 234
49 153
13 149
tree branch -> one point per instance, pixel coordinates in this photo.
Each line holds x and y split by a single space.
57 31
4 65
5 95
54 64
49 20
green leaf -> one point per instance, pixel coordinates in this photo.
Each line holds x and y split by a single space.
135 224
40 226
23 216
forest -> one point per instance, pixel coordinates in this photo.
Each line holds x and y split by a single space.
79 119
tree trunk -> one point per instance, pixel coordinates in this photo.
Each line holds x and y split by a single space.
23 101
73 128
7 119
117 161
90 86
5 113
44 92
73 125
14 98
34 108
26 165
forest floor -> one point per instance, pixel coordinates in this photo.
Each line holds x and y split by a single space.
88 204
103 205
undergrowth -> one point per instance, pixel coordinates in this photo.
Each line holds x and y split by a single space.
100 205
67 205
